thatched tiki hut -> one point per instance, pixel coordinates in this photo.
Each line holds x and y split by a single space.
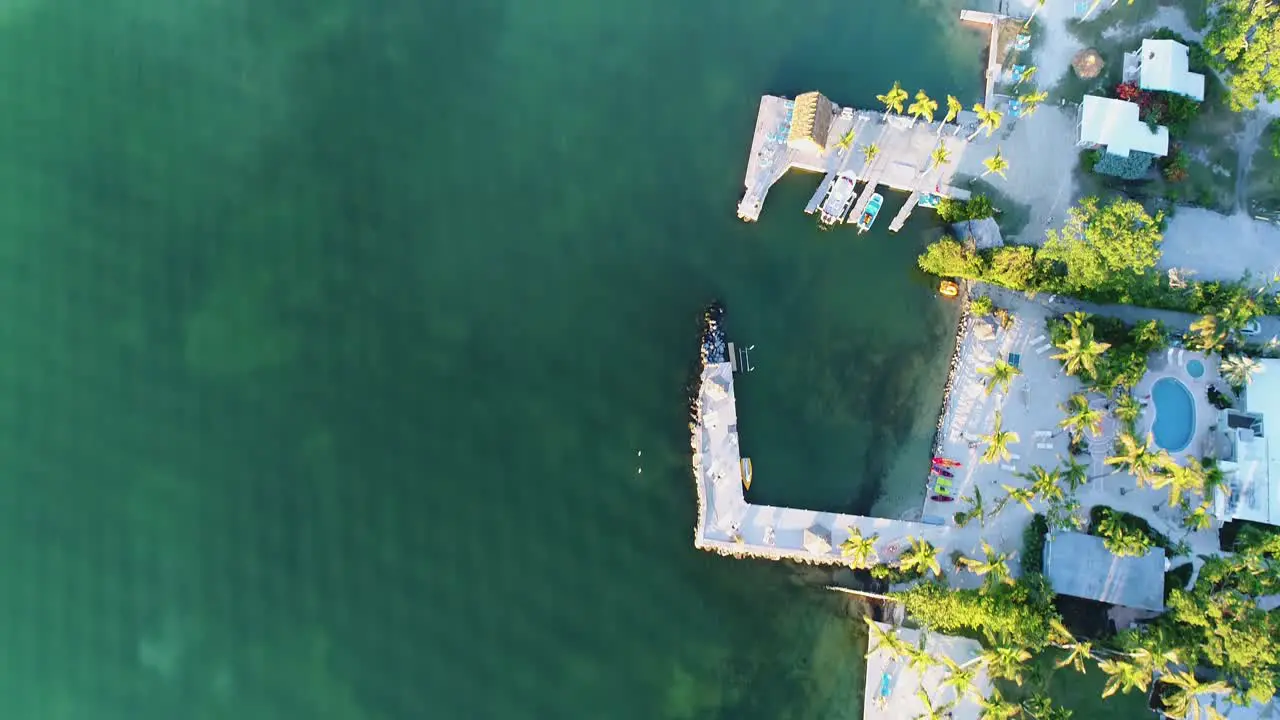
810 122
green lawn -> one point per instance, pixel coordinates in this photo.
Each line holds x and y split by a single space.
1074 691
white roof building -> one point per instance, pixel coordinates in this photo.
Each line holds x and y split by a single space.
1114 124
1253 472
1163 66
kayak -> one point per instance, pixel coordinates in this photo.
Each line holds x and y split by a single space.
940 498
945 462
944 473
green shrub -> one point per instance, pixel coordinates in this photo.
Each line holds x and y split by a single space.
949 258
1124 533
1177 578
1020 612
1089 159
978 207
981 306
1033 545
1013 266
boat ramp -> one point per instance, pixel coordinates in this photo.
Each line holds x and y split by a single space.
813 134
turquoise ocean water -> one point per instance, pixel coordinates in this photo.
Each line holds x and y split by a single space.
338 335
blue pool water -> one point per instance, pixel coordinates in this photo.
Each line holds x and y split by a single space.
1175 414
1195 368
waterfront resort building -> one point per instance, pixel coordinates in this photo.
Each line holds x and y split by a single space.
1113 126
1162 65
1074 563
810 123
1247 456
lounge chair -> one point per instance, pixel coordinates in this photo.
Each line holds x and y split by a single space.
1045 446
1035 340
1008 468
1044 433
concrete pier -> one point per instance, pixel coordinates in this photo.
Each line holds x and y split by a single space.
905 148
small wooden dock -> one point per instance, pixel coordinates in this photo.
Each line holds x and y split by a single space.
993 58
901 218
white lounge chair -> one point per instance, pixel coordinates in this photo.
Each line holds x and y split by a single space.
1045 446
1044 433
1044 349
1009 468
1015 457
1035 340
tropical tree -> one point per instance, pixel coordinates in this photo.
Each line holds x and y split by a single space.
887 640
1044 483
1127 410
1020 495
861 551
998 442
1081 417
931 711
1073 472
1104 246
1188 477
975 510
1034 10
1005 661
871 151
939 157
893 99
1026 74
961 679
1137 456
1080 350
1031 102
1123 675
953 111
1184 701
994 564
1238 370
846 142
919 659
922 556
988 120
995 707
1208 334
1000 374
1200 517
1078 651
996 164
1242 39
923 107
1121 538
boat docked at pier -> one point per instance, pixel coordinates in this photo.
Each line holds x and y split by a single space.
870 214
839 199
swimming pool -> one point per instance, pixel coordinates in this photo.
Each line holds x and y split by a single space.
1175 414
1195 368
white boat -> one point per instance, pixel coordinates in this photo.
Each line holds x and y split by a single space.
839 200
869 215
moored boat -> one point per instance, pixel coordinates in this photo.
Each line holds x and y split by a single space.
869 215
948 288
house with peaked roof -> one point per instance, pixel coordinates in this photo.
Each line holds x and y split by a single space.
810 122
1162 65
1113 126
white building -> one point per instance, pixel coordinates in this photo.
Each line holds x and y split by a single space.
1251 460
1162 65
1114 125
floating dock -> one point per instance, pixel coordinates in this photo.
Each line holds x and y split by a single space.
818 140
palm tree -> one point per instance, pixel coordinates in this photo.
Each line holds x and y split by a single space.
1001 374
1239 369
846 142
1077 319
988 119
1036 9
1081 350
995 707
919 659
1021 495
941 712
1026 74
921 556
1005 661
939 157
1180 478
994 564
1208 335
1031 101
998 442
922 107
1074 473
1127 409
953 110
975 508
1201 518
1137 457
961 679
1081 417
893 99
886 640
1044 483
871 151
1077 650
1124 675
860 551
1184 701
996 164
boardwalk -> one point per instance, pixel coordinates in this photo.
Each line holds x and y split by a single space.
903 162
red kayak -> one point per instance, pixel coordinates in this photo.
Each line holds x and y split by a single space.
944 473
940 498
945 462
